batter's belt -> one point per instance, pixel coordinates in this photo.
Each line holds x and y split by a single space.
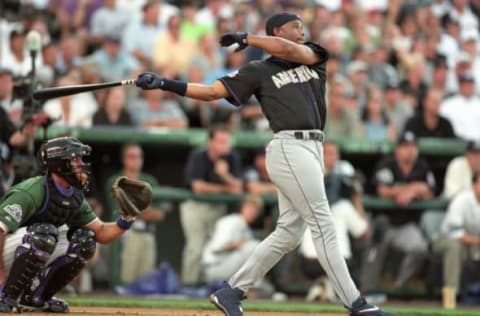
317 135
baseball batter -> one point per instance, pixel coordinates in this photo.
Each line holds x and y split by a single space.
290 86
48 231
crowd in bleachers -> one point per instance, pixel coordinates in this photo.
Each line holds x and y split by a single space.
396 67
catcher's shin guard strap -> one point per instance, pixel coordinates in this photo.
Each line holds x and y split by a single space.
30 258
63 269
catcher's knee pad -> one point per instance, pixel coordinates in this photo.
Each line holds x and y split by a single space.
30 257
82 243
62 270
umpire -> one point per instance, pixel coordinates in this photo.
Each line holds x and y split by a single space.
290 86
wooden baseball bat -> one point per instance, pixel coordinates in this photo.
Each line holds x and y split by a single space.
55 92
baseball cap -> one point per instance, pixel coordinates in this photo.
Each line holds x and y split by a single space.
112 38
407 137
5 71
466 77
463 57
278 20
355 66
473 146
260 150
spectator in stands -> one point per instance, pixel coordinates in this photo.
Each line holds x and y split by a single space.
376 125
112 62
68 57
17 58
73 15
72 110
232 241
256 177
157 108
397 111
113 112
340 122
344 194
171 51
379 70
439 75
429 123
109 20
459 239
403 178
190 27
211 170
212 12
357 75
141 46
461 12
139 248
463 109
11 106
209 56
414 82
461 169
50 58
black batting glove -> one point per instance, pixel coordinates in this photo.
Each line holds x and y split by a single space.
149 81
228 39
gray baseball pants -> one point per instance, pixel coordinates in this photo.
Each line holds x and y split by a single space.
296 167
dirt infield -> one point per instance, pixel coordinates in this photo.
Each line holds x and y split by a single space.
109 311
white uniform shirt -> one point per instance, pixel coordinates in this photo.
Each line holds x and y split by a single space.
463 216
82 107
228 229
458 177
464 114
347 220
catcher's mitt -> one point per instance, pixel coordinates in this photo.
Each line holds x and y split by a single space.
134 196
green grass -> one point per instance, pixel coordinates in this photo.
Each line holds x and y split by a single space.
259 306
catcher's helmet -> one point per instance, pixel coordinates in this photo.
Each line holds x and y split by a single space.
56 156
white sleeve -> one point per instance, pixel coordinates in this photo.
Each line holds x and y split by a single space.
356 224
453 179
453 223
223 233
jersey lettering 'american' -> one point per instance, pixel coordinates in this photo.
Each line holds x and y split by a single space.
294 75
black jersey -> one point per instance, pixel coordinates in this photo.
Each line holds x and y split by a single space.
292 95
388 173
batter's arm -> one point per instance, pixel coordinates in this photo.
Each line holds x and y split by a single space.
204 92
285 49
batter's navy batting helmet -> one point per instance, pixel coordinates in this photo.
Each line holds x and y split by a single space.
278 20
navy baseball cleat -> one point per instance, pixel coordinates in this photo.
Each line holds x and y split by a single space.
361 308
53 305
228 300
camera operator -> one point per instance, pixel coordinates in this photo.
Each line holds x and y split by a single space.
10 135
12 105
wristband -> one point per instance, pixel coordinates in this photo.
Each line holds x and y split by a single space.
124 224
179 87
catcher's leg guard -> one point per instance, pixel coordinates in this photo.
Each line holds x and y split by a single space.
30 258
60 272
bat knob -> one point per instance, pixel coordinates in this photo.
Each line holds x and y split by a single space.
149 78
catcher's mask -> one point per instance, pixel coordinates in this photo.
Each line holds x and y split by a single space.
56 155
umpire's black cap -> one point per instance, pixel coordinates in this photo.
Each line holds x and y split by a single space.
278 20
407 137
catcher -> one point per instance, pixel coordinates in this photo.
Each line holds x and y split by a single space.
49 231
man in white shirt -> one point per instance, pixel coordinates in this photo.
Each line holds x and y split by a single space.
463 110
232 241
460 170
459 239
